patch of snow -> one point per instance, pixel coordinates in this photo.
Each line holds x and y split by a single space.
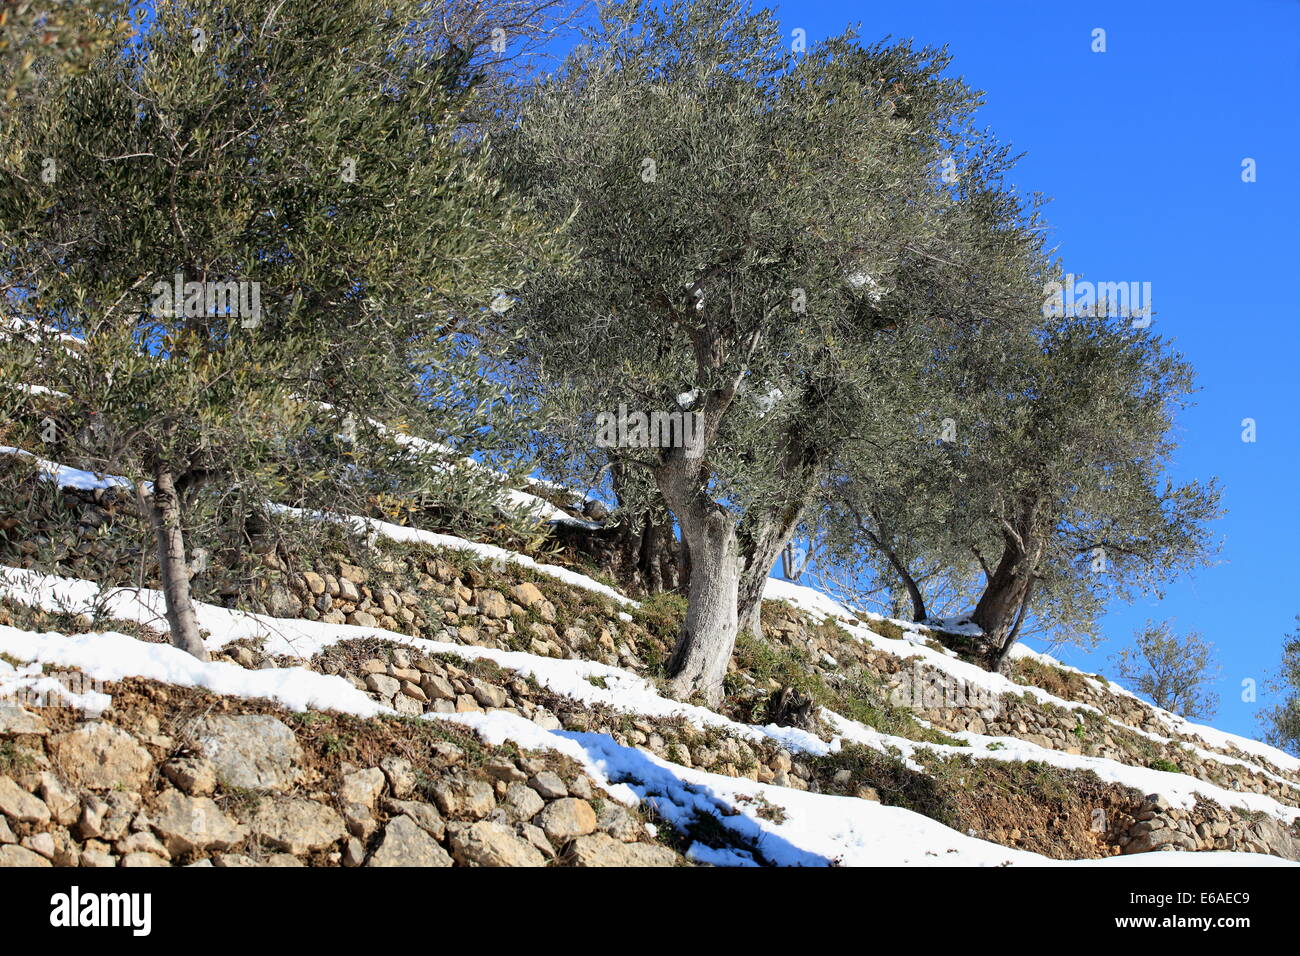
913 644
806 599
109 656
1179 789
623 691
786 826
68 477
797 828
20 685
40 390
516 500
498 727
35 331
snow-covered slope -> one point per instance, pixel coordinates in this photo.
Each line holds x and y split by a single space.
770 823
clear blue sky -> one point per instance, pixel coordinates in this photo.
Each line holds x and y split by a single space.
1141 149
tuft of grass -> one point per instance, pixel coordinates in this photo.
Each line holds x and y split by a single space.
886 629
662 615
858 695
1054 680
13 760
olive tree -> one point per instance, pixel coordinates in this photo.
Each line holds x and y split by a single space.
1176 671
1282 721
242 211
751 222
1043 489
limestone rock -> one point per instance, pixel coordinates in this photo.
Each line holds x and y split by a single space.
383 685
425 815
493 604
42 843
549 785
251 752
567 818
464 797
363 787
143 842
522 802
193 775
16 721
489 695
619 823
295 825
99 756
19 805
400 774
527 594
107 817
362 619
600 849
407 844
64 804
14 856
188 824
493 844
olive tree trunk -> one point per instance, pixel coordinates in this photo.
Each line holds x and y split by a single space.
163 508
708 636
767 530
765 546
699 662
1002 607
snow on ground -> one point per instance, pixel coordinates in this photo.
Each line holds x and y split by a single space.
1212 736
809 829
1215 737
806 599
109 656
1206 754
515 499
66 476
1178 788
295 637
498 727
914 645
39 390
790 827
29 683
787 827
802 597
623 691
38 332
147 607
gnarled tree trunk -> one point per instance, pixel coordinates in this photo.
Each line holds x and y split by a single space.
768 530
1005 601
708 636
765 544
648 554
164 511
914 595
704 648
